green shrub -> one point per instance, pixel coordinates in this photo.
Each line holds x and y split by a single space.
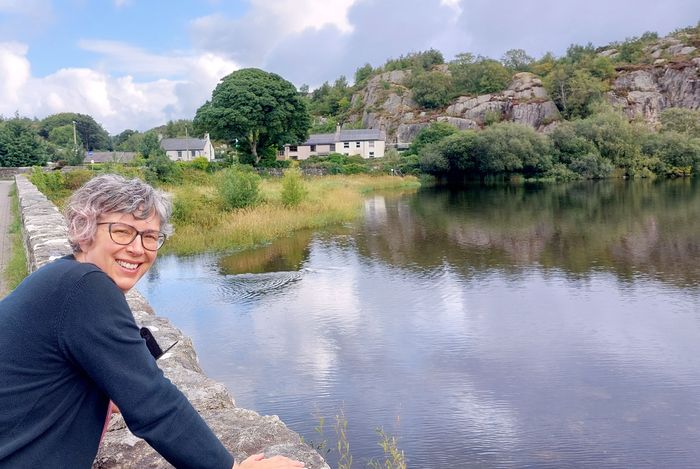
433 133
432 161
354 168
591 166
560 172
409 164
75 179
200 163
293 189
48 182
195 210
431 89
239 188
160 168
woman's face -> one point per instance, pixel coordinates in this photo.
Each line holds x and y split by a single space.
124 264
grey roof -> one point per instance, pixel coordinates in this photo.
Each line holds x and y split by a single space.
179 144
361 134
351 135
109 156
320 139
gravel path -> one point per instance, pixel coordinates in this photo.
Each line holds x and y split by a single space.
5 242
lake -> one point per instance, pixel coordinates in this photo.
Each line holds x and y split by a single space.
501 326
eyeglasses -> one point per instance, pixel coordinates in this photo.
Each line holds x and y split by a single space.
124 234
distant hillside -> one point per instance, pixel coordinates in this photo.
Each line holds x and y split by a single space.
643 76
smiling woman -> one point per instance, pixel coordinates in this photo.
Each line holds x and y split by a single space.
69 345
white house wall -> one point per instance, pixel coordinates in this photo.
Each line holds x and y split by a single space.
303 152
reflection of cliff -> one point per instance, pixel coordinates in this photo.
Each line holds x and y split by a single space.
625 227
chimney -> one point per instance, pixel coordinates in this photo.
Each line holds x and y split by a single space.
337 132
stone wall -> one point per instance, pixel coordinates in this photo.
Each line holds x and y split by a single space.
10 173
242 431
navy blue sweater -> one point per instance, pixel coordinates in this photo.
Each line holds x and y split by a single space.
69 343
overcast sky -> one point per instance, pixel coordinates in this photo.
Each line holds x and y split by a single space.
138 63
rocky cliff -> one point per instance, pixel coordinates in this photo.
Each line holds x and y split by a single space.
673 80
642 91
388 105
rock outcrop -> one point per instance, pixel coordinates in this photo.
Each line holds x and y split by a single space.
242 431
388 105
671 79
646 92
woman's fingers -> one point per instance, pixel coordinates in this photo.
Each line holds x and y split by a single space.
258 461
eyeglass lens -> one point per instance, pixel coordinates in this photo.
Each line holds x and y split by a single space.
122 233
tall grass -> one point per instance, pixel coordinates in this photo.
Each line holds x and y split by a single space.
16 268
203 224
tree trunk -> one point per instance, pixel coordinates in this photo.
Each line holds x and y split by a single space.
253 137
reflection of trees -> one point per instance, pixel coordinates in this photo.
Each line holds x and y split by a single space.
285 254
625 227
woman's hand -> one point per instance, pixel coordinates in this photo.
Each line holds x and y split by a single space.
258 461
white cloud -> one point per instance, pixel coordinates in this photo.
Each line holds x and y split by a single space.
116 102
305 14
268 24
14 74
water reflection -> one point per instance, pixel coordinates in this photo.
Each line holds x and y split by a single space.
542 326
629 228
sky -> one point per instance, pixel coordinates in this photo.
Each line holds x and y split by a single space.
135 64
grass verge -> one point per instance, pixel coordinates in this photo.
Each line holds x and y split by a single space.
16 268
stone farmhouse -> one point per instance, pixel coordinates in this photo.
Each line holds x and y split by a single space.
368 143
187 149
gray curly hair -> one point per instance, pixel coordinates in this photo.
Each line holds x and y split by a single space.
111 193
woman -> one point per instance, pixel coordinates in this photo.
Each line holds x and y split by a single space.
69 344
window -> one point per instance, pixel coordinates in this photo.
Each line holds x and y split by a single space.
371 143
313 148
371 154
346 144
357 145
332 147
193 153
292 148
179 155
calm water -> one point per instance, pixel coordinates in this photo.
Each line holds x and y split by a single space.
538 326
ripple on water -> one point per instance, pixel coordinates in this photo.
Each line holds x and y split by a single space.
250 286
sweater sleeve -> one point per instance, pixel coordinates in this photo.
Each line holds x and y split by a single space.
99 335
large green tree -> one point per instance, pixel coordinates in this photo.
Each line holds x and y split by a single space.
20 145
260 110
93 136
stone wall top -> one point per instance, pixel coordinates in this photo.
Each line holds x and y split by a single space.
242 431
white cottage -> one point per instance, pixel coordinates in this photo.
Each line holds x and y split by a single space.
187 149
368 143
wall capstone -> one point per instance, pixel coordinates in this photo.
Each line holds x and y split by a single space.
242 431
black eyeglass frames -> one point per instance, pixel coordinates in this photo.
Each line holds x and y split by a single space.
124 234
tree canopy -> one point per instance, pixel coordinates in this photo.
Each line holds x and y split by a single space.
260 110
93 136
20 144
